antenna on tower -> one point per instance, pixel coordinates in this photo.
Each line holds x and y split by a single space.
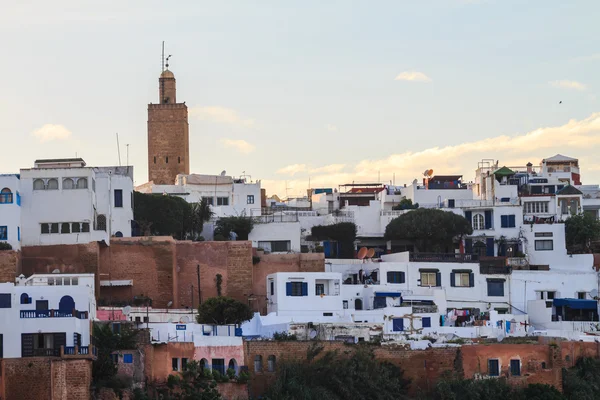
163 56
118 149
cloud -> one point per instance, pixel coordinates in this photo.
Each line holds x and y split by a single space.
331 128
51 132
292 169
328 169
591 57
568 85
240 145
576 138
412 76
220 115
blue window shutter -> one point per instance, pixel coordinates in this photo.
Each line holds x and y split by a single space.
288 288
471 279
504 221
489 247
19 233
127 358
452 279
511 221
327 249
438 279
304 289
398 324
469 246
488 219
402 277
469 216
5 300
426 322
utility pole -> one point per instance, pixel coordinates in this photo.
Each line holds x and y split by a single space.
192 307
199 292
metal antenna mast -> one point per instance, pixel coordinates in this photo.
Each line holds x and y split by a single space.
118 149
163 56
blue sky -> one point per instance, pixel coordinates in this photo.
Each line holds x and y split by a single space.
332 90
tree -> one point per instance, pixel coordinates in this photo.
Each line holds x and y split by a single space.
201 213
492 389
106 342
405 204
580 231
338 377
241 225
344 233
582 382
429 229
161 215
193 383
223 311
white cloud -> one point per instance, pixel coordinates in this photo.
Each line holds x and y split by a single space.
221 115
412 76
328 169
51 132
331 128
240 145
564 84
292 169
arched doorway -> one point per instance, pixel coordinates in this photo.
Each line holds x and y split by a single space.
203 364
66 304
233 365
357 304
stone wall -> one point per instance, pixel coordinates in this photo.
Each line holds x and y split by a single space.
10 265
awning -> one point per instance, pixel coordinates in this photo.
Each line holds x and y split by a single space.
388 294
576 304
117 283
504 171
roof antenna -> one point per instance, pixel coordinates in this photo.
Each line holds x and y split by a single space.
118 149
163 56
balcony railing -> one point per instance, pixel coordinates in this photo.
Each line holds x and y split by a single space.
54 314
46 352
444 257
267 219
77 350
494 266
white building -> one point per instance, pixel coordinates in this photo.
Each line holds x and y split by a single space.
10 210
41 314
65 202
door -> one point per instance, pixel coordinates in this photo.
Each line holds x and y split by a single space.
26 345
41 305
60 339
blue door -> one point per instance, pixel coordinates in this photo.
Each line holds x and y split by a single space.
66 304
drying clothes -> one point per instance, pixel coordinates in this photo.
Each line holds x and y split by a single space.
508 327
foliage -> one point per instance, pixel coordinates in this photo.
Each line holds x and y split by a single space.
160 215
580 230
429 229
222 311
492 389
191 384
219 284
405 204
333 376
243 377
5 246
284 337
241 225
582 382
255 260
106 341
230 373
344 233
200 213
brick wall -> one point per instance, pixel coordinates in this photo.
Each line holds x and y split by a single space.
46 378
76 258
10 265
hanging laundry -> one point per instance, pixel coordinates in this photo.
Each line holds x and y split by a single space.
508 327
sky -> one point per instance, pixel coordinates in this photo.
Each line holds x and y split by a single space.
290 91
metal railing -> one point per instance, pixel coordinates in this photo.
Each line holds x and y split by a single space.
53 314
279 217
444 257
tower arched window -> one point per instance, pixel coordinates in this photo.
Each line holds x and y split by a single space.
6 196
25 299
82 183
179 160
258 363
478 221
68 183
271 363
38 184
52 184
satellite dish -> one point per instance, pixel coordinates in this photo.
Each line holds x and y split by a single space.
430 172
594 293
371 253
56 271
313 334
170 320
126 310
362 253
426 172
184 319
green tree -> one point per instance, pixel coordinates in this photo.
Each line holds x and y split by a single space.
192 384
344 233
223 311
492 389
200 213
582 382
241 225
405 204
580 231
161 215
338 377
107 342
431 230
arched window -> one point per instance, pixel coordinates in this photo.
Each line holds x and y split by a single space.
258 364
203 364
480 249
232 365
82 183
357 304
6 196
68 183
271 363
52 184
38 184
101 223
65 227
66 304
118 234
478 221
25 299
179 160
167 159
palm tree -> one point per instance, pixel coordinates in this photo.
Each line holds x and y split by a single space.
201 213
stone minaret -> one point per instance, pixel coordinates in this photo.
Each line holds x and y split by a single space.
168 134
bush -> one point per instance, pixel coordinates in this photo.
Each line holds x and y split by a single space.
223 311
242 226
243 377
284 337
231 373
5 246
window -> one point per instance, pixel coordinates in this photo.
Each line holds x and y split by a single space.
6 196
65 227
463 279
398 324
128 358
68 183
428 279
114 358
85 227
395 277
296 289
222 201
319 289
550 295
257 363
544 245
146 319
116 328
426 322
154 159
582 295
138 320
210 200
178 160
25 299
495 287
82 183
19 233
515 367
38 184
184 362
101 223
276 246
118 198
52 184
345 304
536 207
5 300
167 159
54 227
175 364
543 234
250 199
272 286
478 221
3 233
507 221
118 234
271 363
493 368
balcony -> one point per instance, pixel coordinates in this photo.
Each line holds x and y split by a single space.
54 314
78 350
494 266
444 257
